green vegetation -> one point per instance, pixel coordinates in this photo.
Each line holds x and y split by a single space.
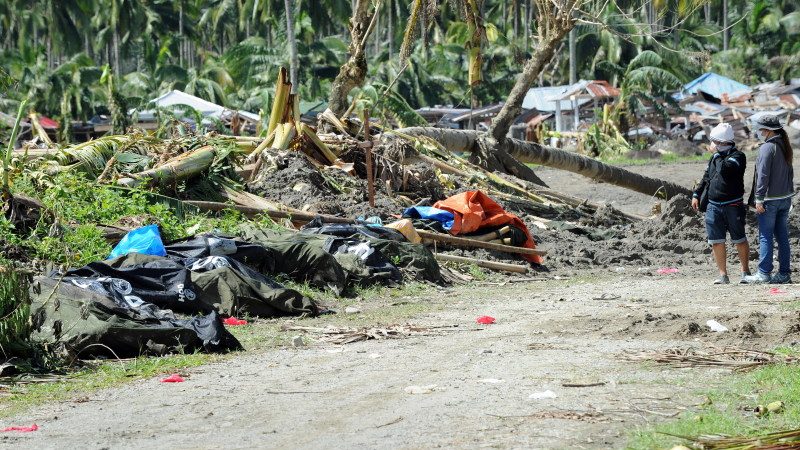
666 158
729 409
75 59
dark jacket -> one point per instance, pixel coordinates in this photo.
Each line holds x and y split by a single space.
724 177
774 178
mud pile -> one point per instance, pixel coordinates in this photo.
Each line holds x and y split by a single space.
675 238
293 180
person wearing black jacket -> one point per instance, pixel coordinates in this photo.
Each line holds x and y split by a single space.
722 189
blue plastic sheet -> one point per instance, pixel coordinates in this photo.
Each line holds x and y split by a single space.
145 240
446 218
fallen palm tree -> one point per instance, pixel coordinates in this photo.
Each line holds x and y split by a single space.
534 153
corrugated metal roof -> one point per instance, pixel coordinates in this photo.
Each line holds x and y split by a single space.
704 108
714 85
541 98
484 112
602 88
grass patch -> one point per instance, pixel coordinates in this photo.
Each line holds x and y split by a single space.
668 158
729 409
85 381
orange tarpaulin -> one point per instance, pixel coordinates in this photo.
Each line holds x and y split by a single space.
474 211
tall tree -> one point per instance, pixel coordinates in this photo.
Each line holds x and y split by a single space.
293 62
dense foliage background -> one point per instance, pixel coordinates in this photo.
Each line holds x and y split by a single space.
61 54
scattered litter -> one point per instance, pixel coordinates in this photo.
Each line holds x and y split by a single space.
729 357
375 355
607 297
772 408
346 335
491 381
484 351
174 378
486 320
420 389
145 240
716 326
777 291
351 310
234 321
542 395
298 342
29 429
667 270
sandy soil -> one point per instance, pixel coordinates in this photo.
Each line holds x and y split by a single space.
480 378
355 396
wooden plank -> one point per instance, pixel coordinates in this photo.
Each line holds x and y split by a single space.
472 243
515 268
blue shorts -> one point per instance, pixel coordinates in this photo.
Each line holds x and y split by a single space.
723 219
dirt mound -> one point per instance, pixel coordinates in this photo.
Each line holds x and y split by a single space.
293 180
675 238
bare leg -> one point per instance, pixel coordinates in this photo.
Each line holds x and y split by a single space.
744 255
719 257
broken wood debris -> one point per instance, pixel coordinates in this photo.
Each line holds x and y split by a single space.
733 358
346 335
514 268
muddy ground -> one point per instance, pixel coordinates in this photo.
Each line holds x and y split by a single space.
470 386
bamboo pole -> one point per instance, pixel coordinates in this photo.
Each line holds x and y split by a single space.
292 214
472 243
514 268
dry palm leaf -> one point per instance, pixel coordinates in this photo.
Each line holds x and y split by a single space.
780 440
728 357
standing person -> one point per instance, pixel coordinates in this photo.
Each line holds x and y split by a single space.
773 191
722 188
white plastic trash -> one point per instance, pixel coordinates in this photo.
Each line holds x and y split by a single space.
716 326
542 395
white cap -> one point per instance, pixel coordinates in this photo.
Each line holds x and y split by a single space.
722 133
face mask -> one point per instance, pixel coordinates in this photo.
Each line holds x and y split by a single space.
761 135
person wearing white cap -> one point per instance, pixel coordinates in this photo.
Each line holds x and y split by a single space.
720 195
773 189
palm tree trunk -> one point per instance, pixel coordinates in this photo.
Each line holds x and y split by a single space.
528 21
181 38
116 51
513 105
354 71
391 30
725 32
293 63
531 152
573 59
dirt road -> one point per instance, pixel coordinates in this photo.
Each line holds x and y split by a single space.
480 378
